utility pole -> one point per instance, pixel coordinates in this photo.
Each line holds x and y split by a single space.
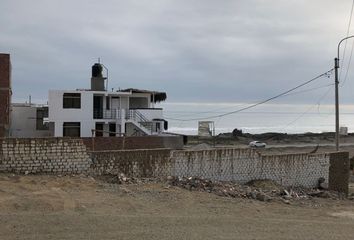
336 83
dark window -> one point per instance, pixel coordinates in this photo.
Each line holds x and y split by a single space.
108 103
72 100
158 126
112 129
71 129
41 114
99 129
97 107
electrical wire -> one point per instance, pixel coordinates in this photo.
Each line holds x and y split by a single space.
345 47
190 113
310 108
347 71
327 73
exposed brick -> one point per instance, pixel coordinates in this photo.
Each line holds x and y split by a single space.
339 172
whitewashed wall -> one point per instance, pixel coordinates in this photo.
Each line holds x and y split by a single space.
243 165
59 115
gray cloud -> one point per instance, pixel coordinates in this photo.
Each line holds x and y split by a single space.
212 51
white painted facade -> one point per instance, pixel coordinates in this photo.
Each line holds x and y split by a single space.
133 110
26 123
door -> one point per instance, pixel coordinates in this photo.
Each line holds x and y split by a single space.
99 129
112 129
97 107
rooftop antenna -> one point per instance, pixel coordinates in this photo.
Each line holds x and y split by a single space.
99 60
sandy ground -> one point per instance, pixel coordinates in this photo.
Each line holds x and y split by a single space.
51 207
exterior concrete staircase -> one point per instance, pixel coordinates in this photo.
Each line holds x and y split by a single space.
140 121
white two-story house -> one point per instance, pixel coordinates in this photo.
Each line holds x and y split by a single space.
98 112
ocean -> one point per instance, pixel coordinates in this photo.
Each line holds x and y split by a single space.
284 118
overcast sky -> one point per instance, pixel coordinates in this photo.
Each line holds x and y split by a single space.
196 51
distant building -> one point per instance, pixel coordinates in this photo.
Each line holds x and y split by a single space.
30 120
206 129
98 112
82 112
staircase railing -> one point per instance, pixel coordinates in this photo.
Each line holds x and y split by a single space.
139 118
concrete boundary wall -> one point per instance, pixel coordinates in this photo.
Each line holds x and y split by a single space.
43 155
243 165
240 165
66 155
133 163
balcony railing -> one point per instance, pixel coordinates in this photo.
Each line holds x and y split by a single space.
106 114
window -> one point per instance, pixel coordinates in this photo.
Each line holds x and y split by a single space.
112 129
108 103
138 102
42 115
72 100
99 129
71 129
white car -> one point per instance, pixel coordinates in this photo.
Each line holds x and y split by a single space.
257 144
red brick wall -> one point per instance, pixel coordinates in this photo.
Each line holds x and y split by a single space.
146 142
5 93
339 172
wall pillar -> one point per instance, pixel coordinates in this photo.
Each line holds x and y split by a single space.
122 121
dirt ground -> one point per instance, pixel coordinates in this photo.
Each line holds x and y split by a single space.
52 207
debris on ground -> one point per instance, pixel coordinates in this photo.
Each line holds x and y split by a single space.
123 179
262 190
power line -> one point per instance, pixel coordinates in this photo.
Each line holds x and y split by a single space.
259 103
310 108
192 113
345 46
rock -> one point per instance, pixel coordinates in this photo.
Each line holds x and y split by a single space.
321 194
263 197
286 201
26 172
286 195
323 185
253 195
325 195
236 132
285 192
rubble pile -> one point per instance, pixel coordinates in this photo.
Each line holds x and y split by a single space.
122 179
262 190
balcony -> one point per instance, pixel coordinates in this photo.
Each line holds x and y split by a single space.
148 113
106 114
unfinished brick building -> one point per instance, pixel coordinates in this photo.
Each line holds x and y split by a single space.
5 94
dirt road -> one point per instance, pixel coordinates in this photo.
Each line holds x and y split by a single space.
42 207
